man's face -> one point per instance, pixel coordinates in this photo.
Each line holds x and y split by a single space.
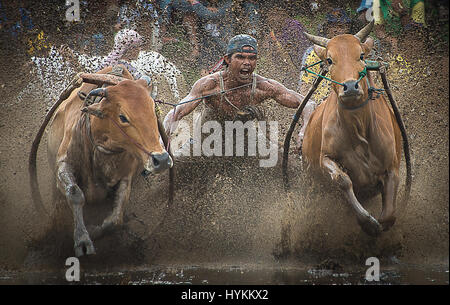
242 65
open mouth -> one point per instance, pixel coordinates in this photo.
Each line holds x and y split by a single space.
244 73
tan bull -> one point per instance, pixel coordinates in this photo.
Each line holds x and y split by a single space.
352 138
96 149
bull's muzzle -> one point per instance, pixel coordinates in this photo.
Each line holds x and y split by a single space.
351 89
157 162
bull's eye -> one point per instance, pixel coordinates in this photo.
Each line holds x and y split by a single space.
123 119
330 62
361 56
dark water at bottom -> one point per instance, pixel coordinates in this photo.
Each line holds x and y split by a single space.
400 274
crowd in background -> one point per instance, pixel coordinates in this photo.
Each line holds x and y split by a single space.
207 25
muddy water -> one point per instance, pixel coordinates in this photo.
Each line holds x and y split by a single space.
399 274
231 210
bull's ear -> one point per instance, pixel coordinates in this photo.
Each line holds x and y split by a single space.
368 45
320 52
94 110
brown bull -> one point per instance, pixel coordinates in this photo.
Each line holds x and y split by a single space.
354 138
95 150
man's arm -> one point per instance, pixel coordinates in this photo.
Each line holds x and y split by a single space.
281 94
202 87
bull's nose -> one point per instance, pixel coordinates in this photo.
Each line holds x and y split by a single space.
161 161
352 88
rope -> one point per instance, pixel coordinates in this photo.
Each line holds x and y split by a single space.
361 74
319 75
205 96
196 100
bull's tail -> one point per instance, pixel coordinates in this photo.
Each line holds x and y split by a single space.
404 135
34 185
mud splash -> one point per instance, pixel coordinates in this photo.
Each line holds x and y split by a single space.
227 212
403 274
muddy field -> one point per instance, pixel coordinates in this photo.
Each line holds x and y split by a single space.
229 212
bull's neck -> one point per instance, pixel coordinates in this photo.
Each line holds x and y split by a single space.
356 122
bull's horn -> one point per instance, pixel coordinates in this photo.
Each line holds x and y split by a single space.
320 41
365 31
102 92
98 92
100 79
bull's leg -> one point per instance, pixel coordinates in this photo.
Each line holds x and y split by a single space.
75 198
369 224
115 219
389 195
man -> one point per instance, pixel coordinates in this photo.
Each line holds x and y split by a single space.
241 104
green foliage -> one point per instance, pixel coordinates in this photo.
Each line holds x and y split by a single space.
352 14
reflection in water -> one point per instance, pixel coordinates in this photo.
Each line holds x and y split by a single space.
236 275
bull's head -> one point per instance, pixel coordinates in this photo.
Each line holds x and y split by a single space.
125 121
345 55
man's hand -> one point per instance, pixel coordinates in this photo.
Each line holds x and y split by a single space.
170 125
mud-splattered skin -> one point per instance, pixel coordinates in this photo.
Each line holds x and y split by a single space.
238 73
358 147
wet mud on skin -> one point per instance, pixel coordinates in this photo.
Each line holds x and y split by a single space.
224 226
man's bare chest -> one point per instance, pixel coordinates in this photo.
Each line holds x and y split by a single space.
231 101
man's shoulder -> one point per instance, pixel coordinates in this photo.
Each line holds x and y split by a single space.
213 76
207 82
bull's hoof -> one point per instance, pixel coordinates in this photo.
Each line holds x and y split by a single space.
83 246
371 226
